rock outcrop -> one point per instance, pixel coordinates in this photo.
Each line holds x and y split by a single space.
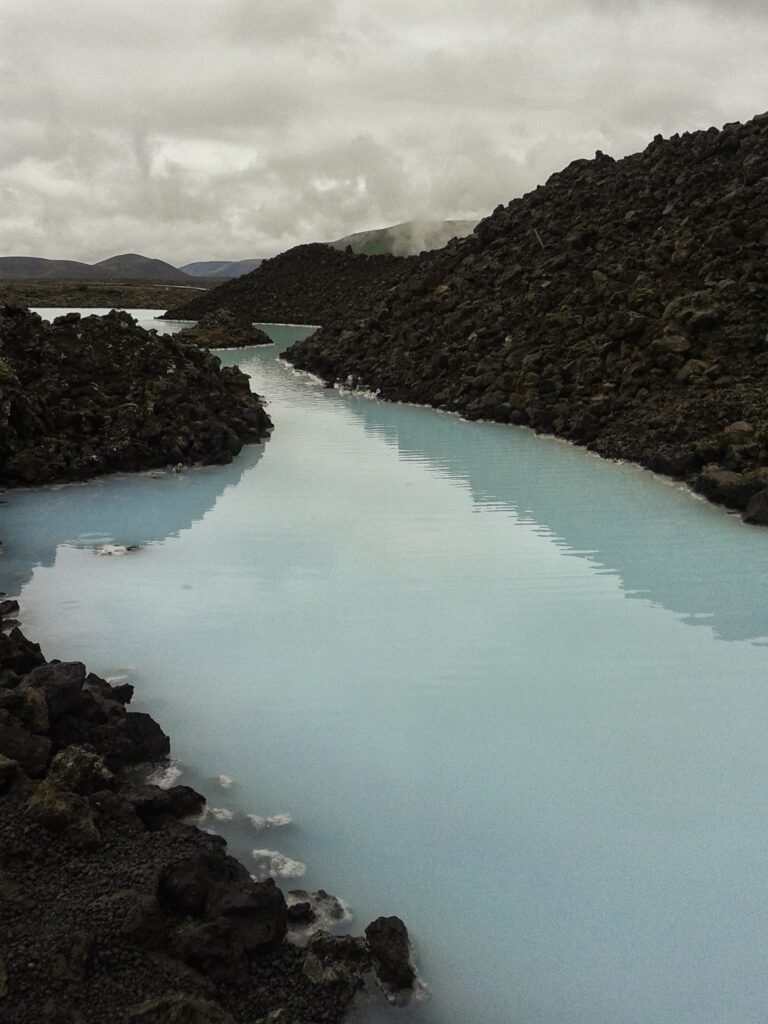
222 328
310 284
84 396
622 305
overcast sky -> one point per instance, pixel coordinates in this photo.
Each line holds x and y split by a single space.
229 129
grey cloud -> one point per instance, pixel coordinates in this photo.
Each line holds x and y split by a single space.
235 129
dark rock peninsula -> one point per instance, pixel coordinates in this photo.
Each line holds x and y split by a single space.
85 396
113 907
622 305
310 284
223 329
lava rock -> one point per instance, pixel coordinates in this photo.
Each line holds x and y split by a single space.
224 328
757 508
64 813
388 941
154 804
59 682
621 305
32 753
334 959
99 394
80 771
309 284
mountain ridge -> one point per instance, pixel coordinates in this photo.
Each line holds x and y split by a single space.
126 266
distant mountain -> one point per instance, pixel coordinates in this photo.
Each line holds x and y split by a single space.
408 239
130 267
30 268
221 268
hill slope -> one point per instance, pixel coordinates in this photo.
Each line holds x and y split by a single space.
130 266
220 268
407 239
622 306
32 268
310 284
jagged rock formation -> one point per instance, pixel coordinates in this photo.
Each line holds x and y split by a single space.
223 329
95 395
113 907
310 284
622 305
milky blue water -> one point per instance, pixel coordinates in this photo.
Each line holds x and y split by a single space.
511 692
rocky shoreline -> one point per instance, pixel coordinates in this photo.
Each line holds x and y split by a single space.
620 306
90 395
115 906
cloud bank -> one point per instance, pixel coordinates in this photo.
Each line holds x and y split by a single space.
229 129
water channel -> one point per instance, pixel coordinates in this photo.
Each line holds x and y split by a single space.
513 693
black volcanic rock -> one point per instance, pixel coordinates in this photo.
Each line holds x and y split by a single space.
310 284
112 909
622 305
388 941
81 397
222 328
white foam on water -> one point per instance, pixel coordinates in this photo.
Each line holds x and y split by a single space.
224 781
221 813
273 864
165 775
116 549
272 821
278 820
330 911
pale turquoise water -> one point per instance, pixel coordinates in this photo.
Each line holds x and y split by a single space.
511 692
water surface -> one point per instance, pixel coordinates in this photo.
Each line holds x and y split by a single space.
507 690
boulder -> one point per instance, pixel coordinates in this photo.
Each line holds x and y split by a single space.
64 813
388 941
80 771
60 682
186 886
19 654
727 487
154 804
256 910
214 948
147 740
31 752
757 508
122 693
335 959
27 706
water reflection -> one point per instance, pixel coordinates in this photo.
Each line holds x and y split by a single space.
37 521
663 543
